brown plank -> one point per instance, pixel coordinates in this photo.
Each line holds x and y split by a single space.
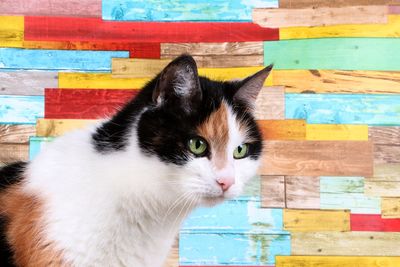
272 191
14 152
229 61
385 135
329 3
302 192
390 207
10 133
171 50
318 158
386 154
270 104
283 129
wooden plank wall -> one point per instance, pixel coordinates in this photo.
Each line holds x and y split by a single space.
329 186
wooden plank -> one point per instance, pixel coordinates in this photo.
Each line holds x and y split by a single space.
302 192
27 82
316 220
394 9
57 127
228 61
270 104
345 244
13 152
336 132
171 50
338 81
335 261
84 104
344 108
315 158
11 30
325 3
21 109
385 182
342 185
373 222
334 54
390 207
39 28
71 80
87 8
385 135
283 129
57 60
350 30
386 154
16 134
273 192
321 16
36 144
153 10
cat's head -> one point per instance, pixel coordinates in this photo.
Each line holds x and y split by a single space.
204 130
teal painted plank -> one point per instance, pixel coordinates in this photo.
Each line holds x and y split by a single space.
344 108
21 109
36 144
182 10
57 60
334 54
231 249
340 185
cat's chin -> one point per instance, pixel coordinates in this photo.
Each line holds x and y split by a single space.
212 201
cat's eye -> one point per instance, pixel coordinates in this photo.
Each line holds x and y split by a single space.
241 151
198 146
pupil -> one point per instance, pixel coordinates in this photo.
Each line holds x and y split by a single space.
198 144
239 149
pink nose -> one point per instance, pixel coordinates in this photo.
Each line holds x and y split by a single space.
225 183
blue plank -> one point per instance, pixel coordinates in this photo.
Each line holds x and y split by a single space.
57 60
182 10
21 109
36 144
344 108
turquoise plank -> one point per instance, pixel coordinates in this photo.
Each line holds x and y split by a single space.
231 249
36 144
334 53
182 10
21 109
339 185
57 60
344 108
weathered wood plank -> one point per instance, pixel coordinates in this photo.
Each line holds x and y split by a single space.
394 10
27 82
342 185
338 81
336 261
21 109
316 220
315 158
273 192
327 3
302 192
373 222
390 207
87 8
16 134
270 104
386 154
334 54
170 50
283 129
345 244
98 81
385 135
344 108
13 152
57 60
336 132
57 127
11 30
321 16
385 182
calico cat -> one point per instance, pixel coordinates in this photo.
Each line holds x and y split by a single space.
116 193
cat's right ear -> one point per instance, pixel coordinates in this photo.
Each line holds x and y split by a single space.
179 84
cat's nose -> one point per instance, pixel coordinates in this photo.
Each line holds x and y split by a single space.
226 182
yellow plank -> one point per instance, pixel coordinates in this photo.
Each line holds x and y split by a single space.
98 81
316 220
368 30
390 207
137 68
11 31
233 73
283 129
330 261
336 132
57 127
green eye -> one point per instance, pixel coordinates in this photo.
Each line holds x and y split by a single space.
241 151
197 146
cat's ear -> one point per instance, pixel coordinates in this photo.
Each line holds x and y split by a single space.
178 84
251 86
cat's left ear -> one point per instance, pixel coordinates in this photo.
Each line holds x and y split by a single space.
251 86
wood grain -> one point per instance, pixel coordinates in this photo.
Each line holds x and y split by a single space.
283 129
71 80
16 134
57 127
338 81
315 158
17 109
373 222
14 152
302 192
385 182
11 30
385 135
386 154
336 261
336 132
270 104
390 207
327 3
170 50
27 82
346 243
273 192
316 220
320 16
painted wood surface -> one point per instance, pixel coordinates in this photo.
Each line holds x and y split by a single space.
373 222
21 109
390 207
350 30
375 110
27 82
273 191
13 152
385 135
36 144
92 29
11 30
283 129
385 182
16 134
84 104
334 54
57 127
316 220
182 10
394 10
321 16
336 3
338 81
171 50
270 104
335 261
87 8
98 81
302 192
345 244
336 132
315 158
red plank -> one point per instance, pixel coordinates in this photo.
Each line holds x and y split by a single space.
373 222
84 103
95 29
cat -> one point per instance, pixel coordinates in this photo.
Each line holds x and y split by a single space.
115 194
